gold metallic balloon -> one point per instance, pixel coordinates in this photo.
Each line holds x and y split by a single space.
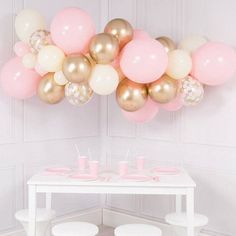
77 68
49 91
104 48
167 43
131 96
163 90
121 29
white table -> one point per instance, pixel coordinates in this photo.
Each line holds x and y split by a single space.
178 185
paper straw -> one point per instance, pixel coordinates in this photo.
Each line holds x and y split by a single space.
90 154
77 149
127 154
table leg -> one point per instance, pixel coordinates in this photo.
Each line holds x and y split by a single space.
190 211
32 202
178 203
48 201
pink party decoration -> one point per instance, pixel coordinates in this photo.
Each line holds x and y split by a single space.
144 60
214 63
40 70
143 115
174 105
140 34
18 81
72 29
21 49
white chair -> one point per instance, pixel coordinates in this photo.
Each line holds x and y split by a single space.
43 220
75 229
179 222
137 230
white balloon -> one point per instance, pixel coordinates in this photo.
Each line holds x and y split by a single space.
50 58
193 42
60 78
104 79
179 64
27 22
29 60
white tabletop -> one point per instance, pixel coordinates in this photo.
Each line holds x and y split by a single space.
47 179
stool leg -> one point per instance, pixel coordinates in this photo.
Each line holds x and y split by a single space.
190 211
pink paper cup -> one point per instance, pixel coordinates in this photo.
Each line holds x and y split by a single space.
140 163
123 168
82 162
94 168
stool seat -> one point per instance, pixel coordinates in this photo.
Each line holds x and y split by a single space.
75 229
180 219
137 230
41 215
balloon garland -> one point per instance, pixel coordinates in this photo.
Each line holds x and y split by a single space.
147 74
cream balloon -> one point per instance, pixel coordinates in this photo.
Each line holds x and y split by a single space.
104 79
191 43
60 78
179 64
27 22
50 58
29 60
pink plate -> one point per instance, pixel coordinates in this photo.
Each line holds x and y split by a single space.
58 169
84 177
137 177
166 170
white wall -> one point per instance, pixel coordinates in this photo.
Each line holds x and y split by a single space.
33 134
202 139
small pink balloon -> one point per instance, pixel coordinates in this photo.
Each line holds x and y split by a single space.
143 115
174 105
21 49
38 68
144 60
18 81
140 34
214 63
72 29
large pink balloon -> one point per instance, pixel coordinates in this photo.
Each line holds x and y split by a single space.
143 115
214 63
144 60
18 81
72 29
174 105
140 34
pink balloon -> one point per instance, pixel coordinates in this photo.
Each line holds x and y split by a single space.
38 68
174 105
143 115
72 29
214 63
21 49
18 81
140 34
144 60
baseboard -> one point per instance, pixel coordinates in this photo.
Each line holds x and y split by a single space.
93 216
113 219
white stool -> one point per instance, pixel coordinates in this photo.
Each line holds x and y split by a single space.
75 229
179 222
137 230
43 220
